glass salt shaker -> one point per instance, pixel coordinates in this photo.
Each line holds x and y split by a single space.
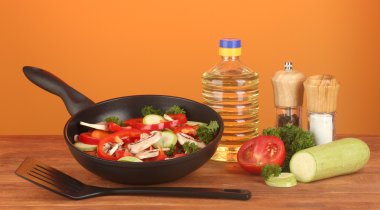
288 95
322 93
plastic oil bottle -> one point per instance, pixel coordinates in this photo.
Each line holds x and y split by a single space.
232 90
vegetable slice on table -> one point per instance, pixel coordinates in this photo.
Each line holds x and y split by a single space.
283 180
260 151
339 157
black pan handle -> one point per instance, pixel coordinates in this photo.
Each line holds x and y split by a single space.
234 194
74 100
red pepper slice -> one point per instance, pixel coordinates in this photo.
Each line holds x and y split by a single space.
178 119
99 134
87 138
133 121
115 127
133 133
186 129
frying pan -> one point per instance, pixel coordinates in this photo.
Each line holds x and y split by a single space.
82 108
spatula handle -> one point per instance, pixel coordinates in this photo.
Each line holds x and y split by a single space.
235 194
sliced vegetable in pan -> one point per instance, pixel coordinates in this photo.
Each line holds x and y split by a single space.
157 135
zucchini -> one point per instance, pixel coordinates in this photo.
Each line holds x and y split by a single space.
85 147
192 123
283 180
152 119
129 159
339 157
168 139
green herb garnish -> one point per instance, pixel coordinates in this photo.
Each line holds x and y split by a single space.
146 110
175 110
190 147
270 170
206 133
115 120
170 152
294 138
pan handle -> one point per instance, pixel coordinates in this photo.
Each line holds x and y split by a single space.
74 100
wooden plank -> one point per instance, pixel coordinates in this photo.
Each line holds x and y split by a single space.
356 191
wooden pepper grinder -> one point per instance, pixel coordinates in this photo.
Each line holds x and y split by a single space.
322 94
288 95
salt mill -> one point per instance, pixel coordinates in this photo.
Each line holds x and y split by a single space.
322 93
288 95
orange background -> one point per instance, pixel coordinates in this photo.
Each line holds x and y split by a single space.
108 49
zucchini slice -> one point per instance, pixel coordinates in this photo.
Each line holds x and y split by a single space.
283 180
152 119
192 123
168 139
129 159
85 147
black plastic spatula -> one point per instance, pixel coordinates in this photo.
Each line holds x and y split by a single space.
63 184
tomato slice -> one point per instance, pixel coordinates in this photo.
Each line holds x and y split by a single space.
260 151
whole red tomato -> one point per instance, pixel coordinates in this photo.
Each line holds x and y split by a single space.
253 155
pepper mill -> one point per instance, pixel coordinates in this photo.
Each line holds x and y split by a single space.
322 94
288 95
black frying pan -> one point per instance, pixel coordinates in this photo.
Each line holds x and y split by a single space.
82 108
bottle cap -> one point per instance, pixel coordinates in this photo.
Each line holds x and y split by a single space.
230 47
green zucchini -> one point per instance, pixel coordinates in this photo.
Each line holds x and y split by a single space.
339 157
85 147
168 139
283 180
152 119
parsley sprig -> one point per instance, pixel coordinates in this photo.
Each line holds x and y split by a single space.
190 147
206 133
115 120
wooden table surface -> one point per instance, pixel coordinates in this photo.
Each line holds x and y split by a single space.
357 191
